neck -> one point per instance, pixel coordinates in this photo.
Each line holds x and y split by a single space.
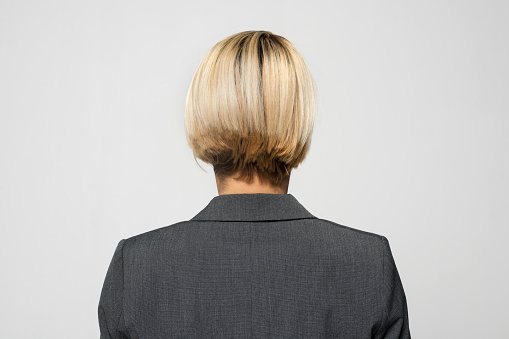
230 185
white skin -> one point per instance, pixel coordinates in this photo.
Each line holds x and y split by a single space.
230 185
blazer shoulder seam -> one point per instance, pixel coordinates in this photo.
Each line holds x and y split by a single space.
159 229
371 234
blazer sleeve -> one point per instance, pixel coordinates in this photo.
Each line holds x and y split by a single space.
111 315
395 320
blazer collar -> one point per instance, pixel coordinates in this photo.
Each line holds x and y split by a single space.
253 207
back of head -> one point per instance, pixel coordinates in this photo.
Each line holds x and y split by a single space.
250 107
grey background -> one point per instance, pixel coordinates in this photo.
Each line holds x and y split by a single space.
411 142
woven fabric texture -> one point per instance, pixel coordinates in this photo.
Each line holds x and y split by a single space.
253 266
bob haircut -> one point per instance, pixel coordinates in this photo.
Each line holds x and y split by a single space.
250 107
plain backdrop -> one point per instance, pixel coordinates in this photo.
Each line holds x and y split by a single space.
411 142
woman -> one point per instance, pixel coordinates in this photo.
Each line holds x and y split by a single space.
254 262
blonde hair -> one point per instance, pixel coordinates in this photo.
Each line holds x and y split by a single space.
250 107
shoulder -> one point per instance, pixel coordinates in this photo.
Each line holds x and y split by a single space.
154 236
320 233
346 240
337 233
349 231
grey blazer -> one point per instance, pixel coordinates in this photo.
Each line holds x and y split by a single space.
253 266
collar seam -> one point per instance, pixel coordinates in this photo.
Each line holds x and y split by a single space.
255 221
